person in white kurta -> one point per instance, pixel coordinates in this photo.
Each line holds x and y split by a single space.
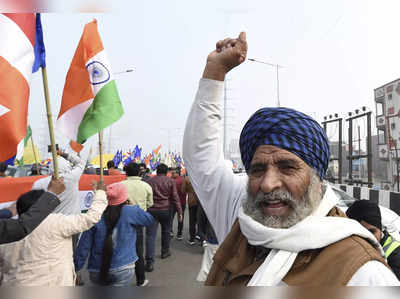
45 257
220 191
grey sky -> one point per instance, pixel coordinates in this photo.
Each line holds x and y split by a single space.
334 52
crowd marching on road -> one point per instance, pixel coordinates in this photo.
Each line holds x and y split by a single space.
278 225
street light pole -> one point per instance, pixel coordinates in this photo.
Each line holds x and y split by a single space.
169 135
277 66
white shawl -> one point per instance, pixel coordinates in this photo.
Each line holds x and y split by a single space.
315 231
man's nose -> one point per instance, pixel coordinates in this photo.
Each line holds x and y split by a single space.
272 180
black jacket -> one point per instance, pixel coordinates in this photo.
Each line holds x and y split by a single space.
394 257
12 230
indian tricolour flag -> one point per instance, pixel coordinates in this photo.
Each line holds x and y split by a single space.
90 99
17 40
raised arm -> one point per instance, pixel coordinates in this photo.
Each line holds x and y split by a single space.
12 230
69 225
218 189
78 164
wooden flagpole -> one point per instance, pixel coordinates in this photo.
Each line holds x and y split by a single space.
101 155
50 121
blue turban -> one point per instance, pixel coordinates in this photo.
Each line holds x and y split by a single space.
287 129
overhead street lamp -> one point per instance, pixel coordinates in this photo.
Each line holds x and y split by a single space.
277 66
122 72
109 137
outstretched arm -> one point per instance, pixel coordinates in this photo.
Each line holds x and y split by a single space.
69 225
218 189
12 230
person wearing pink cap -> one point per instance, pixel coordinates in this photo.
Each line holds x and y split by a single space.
109 243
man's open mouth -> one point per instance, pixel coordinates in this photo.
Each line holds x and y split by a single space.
274 207
274 203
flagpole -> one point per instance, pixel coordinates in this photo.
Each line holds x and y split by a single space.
34 155
101 155
50 121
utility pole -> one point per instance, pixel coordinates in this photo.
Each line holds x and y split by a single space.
368 155
227 126
335 119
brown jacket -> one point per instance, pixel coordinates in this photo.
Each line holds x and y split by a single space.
164 193
236 261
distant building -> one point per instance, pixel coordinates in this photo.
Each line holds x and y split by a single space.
379 166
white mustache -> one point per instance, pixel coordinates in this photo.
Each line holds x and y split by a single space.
274 196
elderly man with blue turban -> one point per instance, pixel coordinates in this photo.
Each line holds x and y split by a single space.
279 225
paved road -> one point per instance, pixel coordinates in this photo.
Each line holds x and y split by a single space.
180 269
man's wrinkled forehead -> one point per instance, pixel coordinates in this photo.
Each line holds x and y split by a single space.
265 153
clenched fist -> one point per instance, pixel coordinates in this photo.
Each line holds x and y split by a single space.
56 185
228 54
99 186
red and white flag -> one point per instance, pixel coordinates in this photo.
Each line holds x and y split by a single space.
17 39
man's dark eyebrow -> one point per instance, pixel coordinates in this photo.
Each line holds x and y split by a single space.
288 162
258 165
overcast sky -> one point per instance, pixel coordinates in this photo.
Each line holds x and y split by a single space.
334 54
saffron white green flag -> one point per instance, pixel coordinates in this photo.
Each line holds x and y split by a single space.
90 99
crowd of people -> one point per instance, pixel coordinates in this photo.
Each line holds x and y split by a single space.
278 226
121 214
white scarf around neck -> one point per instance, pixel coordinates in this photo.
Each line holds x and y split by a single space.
315 231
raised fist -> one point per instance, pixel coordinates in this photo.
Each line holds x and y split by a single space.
99 185
56 186
228 54
62 154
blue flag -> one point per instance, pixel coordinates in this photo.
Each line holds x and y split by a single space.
120 157
137 153
40 51
115 158
10 161
128 160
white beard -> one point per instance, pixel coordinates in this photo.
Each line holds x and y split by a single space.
298 208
